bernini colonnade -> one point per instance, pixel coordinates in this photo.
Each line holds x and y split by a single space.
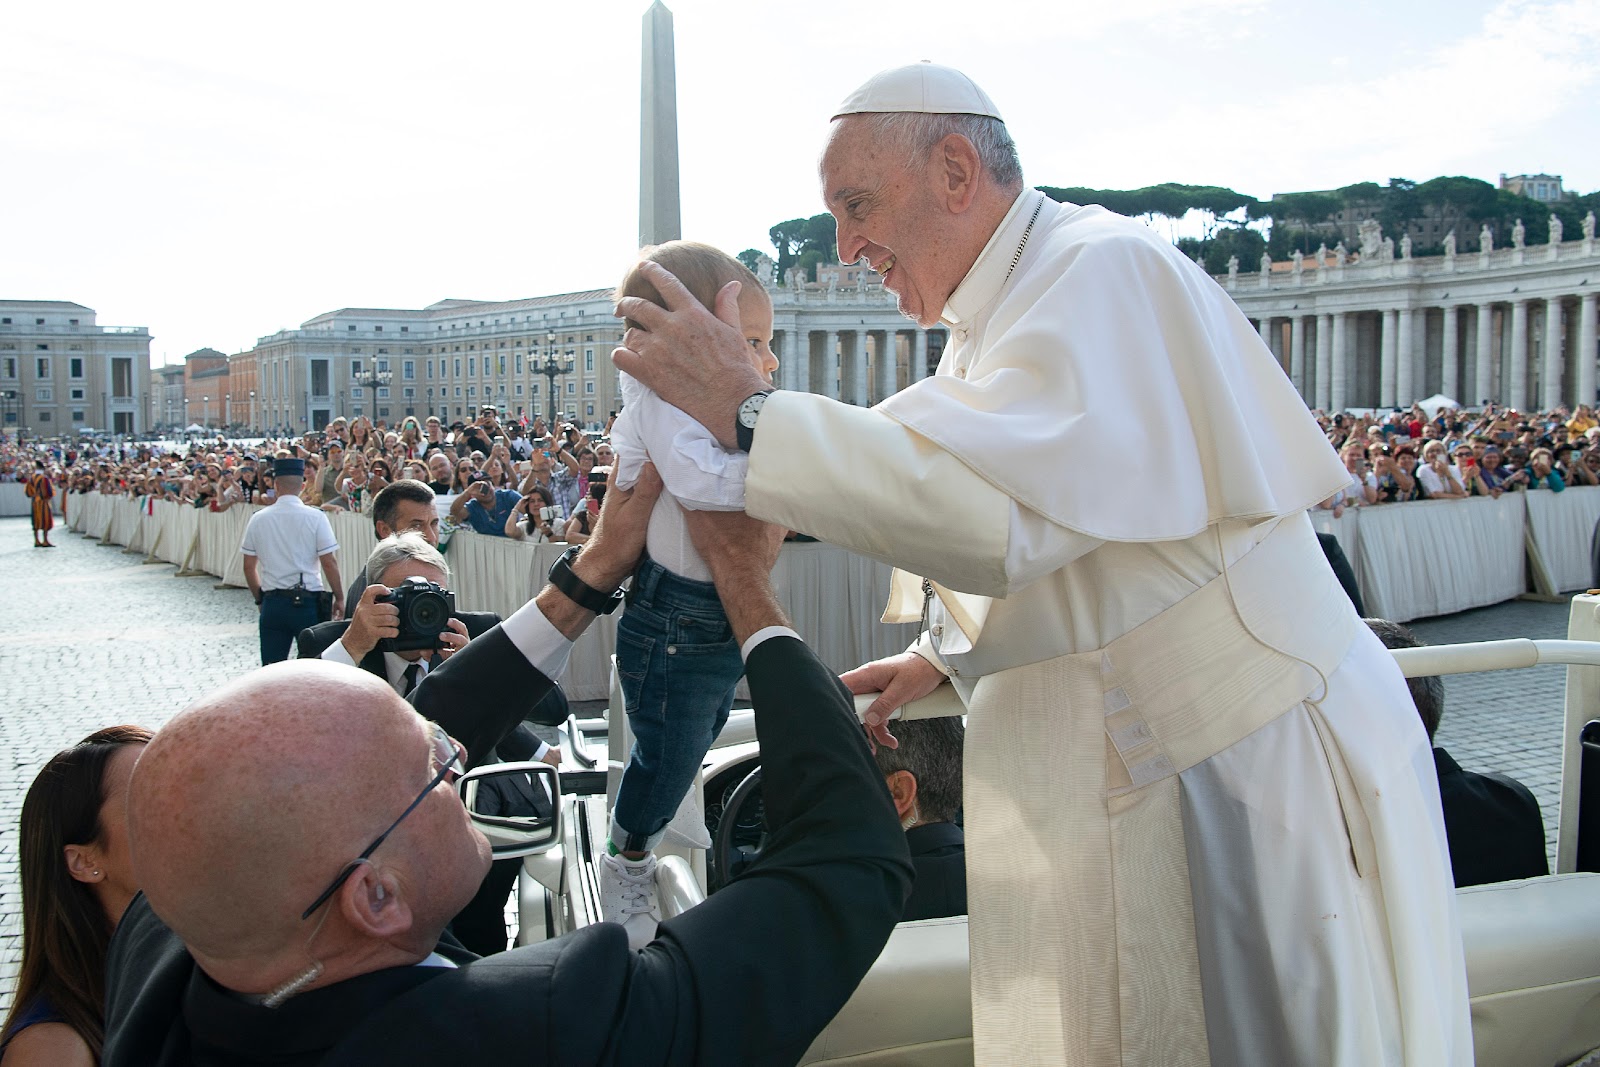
1514 325
848 342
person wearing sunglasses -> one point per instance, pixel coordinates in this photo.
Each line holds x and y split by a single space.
301 846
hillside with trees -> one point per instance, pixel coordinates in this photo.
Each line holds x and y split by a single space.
1236 224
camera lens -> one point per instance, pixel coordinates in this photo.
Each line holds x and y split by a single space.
427 613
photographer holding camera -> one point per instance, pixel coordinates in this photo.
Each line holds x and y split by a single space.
534 517
581 525
377 618
483 507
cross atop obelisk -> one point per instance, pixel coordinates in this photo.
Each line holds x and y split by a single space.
659 218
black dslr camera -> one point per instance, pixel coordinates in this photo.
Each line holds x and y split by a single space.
425 611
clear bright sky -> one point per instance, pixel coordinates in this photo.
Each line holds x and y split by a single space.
219 172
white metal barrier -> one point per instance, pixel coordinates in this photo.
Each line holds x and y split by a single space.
833 597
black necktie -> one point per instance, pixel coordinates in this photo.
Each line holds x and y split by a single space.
412 673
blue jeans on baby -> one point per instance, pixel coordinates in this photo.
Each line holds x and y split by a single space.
678 664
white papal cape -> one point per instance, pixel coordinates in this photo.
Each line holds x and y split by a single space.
1203 822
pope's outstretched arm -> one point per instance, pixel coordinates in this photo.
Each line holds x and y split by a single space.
854 477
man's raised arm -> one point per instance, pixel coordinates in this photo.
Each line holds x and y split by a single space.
480 694
753 974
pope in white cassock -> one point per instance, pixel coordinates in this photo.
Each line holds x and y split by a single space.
1202 819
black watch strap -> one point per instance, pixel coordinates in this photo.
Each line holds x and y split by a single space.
745 433
579 591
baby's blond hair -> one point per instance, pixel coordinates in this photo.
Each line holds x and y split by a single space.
702 269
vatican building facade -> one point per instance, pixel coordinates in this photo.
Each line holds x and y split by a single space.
1377 327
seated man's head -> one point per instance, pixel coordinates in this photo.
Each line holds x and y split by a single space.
1426 693
924 773
249 804
406 506
407 555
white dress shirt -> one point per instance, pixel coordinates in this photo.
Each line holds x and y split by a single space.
394 665
697 472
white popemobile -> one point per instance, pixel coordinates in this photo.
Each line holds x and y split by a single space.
1532 946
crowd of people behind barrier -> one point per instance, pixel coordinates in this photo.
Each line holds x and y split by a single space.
1408 455
536 483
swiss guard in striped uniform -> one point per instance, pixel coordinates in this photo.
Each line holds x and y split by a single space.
41 491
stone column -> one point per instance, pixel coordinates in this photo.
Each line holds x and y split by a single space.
1517 389
1584 357
1297 354
1485 364
1451 385
1388 386
886 354
832 365
862 396
919 355
1323 376
1264 327
1339 390
1550 393
1406 378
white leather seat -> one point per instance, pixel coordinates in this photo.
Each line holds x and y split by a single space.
1533 969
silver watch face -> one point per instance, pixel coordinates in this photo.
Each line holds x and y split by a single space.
750 409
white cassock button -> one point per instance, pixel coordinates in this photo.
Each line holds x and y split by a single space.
961 372
937 629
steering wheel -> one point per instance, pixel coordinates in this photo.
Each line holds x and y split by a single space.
719 864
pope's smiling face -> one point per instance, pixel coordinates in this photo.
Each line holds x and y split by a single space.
893 215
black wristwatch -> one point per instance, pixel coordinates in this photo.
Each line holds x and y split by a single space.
579 591
745 421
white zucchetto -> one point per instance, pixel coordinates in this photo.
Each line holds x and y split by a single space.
923 88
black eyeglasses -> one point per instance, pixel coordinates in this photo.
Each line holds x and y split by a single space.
447 754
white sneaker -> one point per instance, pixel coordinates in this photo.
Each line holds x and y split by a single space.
628 896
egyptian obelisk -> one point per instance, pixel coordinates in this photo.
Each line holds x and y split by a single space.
659 218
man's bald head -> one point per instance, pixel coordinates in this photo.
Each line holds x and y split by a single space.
249 802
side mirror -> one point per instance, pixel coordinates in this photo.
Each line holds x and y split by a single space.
502 800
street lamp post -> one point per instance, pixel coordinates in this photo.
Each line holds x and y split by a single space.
227 410
252 426
205 411
553 369
186 422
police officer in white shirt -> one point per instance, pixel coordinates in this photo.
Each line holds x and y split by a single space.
285 546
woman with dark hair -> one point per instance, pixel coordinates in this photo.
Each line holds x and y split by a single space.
360 433
76 883
463 476
532 517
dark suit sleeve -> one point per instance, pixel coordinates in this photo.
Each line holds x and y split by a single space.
753 975
481 693
147 969
313 641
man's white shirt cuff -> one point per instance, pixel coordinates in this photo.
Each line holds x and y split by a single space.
766 633
538 640
337 653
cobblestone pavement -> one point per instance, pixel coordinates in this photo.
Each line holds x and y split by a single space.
90 636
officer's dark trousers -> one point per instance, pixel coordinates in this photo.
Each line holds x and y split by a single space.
281 621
